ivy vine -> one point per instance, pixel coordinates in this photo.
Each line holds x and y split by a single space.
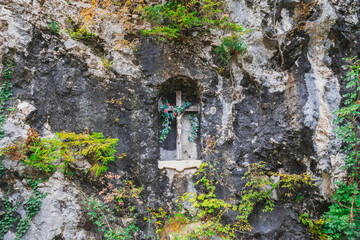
169 113
32 207
5 94
8 217
194 127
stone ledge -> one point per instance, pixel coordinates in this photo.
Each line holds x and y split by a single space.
179 165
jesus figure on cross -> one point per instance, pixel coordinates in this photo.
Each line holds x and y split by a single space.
178 112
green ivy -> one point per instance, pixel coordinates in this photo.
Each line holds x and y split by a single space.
169 116
5 93
106 221
2 168
342 221
32 208
194 127
7 218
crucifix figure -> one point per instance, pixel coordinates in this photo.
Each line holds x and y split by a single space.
185 156
179 150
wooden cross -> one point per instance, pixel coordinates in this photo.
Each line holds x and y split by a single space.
179 151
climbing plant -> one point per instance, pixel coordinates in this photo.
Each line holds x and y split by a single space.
5 93
168 114
32 208
8 219
342 221
194 127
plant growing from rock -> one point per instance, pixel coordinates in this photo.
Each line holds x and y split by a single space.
169 20
231 48
125 199
32 208
315 226
49 154
107 64
205 217
302 12
54 26
7 218
5 94
343 218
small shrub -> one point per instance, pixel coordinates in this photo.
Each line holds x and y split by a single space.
302 12
81 34
231 47
107 64
315 227
54 26
78 32
49 154
125 198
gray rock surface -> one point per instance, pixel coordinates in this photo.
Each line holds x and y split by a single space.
281 113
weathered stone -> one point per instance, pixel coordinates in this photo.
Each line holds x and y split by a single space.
269 110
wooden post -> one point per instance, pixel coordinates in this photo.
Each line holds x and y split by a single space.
178 127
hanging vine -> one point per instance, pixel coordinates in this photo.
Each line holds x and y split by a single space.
5 94
194 127
169 113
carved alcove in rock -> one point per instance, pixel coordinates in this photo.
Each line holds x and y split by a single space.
181 147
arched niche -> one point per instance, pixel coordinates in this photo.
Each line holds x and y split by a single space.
177 151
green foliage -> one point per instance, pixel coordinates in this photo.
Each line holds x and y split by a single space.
5 94
32 208
79 33
54 26
43 155
107 64
7 218
49 154
105 217
2 168
169 116
94 147
194 127
343 220
208 210
315 227
154 14
204 218
231 47
175 17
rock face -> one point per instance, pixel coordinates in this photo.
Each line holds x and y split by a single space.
277 107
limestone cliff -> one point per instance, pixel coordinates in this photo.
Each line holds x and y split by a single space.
276 105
